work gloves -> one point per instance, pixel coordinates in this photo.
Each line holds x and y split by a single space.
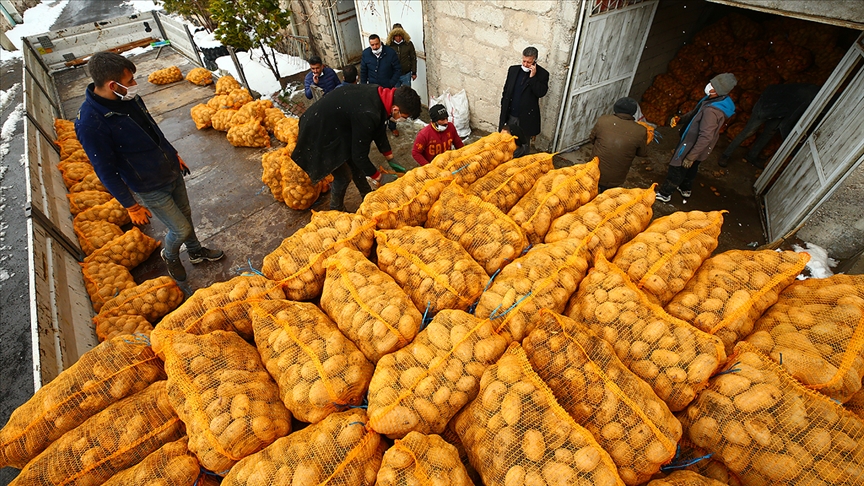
139 215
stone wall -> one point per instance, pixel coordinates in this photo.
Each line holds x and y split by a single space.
470 45
313 20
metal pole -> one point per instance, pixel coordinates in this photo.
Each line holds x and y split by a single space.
194 46
239 68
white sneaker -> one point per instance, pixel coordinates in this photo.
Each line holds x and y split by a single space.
662 197
684 194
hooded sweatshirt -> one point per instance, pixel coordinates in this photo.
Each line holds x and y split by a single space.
404 50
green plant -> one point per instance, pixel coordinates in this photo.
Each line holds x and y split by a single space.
246 24
198 9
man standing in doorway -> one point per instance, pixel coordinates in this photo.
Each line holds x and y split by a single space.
319 77
400 41
132 158
617 140
520 102
379 64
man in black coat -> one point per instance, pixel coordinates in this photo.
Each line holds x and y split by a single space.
336 132
520 102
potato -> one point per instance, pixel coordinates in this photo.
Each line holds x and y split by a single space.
272 117
685 478
200 76
129 249
407 200
75 169
104 281
619 409
81 201
504 185
207 375
64 129
557 192
202 115
475 160
422 456
675 358
151 300
168 75
93 235
172 464
238 97
337 450
298 191
540 444
226 84
221 120
90 182
112 212
286 131
248 134
108 442
68 147
250 111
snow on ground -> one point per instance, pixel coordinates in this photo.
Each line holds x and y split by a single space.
141 5
37 20
820 263
259 76
8 130
8 95
204 39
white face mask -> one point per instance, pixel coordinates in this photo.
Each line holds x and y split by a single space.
438 128
131 92
377 52
527 70
708 89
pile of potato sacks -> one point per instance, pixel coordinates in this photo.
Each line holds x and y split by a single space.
611 351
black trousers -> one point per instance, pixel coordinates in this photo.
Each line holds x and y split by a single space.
523 143
753 124
341 177
680 177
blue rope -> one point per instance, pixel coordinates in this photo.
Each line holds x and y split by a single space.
426 320
494 314
261 191
781 358
669 467
251 268
732 369
460 168
364 404
491 279
357 423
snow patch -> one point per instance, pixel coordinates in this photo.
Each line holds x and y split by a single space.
37 20
820 263
141 5
8 95
8 130
205 39
259 76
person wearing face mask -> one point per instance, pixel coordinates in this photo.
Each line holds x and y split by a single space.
400 41
336 132
520 101
435 138
321 77
133 159
699 135
379 64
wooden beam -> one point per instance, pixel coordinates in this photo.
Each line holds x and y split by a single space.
117 50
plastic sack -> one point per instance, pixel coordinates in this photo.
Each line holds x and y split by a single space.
505 185
475 160
221 120
407 200
200 76
170 465
271 172
422 460
124 324
104 281
685 478
515 433
248 134
129 249
202 115
90 182
238 97
64 129
272 117
298 191
457 110
226 84
151 300
250 111
74 172
286 131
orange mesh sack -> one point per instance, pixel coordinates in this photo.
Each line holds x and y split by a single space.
816 331
93 235
663 258
104 375
251 111
856 403
151 300
221 120
672 356
81 201
238 97
608 221
731 290
200 76
168 75
68 147
769 429
483 230
298 263
104 281
271 173
619 409
298 191
407 200
129 249
221 102
64 129
111 211
76 157
318 370
170 465
223 394
505 185
249 134
685 478
286 130
272 117
125 324
545 277
202 115
557 192
451 437
90 182
110 441
475 160
435 272
423 460
338 451
223 306
74 172
516 434
368 305
226 84
423 385
705 465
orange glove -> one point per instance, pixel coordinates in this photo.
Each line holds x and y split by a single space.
184 169
139 215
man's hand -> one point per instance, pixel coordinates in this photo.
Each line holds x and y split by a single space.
687 163
673 122
413 77
139 214
533 70
374 180
315 78
184 169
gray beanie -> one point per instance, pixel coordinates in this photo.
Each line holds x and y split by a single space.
625 105
724 83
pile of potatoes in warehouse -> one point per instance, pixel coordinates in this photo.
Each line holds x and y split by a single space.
780 50
373 348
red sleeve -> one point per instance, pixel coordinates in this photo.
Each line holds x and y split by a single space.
420 146
457 142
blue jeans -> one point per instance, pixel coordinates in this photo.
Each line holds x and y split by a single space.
404 80
171 205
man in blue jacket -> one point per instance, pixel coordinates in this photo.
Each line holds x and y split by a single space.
132 157
379 64
320 76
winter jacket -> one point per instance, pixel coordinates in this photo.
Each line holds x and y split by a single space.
617 140
383 71
126 159
529 105
430 142
327 81
339 127
405 50
785 101
703 129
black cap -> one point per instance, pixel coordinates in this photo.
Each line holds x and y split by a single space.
438 112
625 105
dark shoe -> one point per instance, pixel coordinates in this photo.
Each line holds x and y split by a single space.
723 161
663 197
175 267
684 194
205 254
520 151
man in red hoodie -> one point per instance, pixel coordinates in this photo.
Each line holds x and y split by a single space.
436 137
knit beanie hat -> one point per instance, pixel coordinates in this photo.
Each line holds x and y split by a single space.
724 83
438 112
625 105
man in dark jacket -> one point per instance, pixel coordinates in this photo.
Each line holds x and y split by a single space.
520 102
335 134
779 108
617 140
379 64
131 155
319 76
400 41
699 136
